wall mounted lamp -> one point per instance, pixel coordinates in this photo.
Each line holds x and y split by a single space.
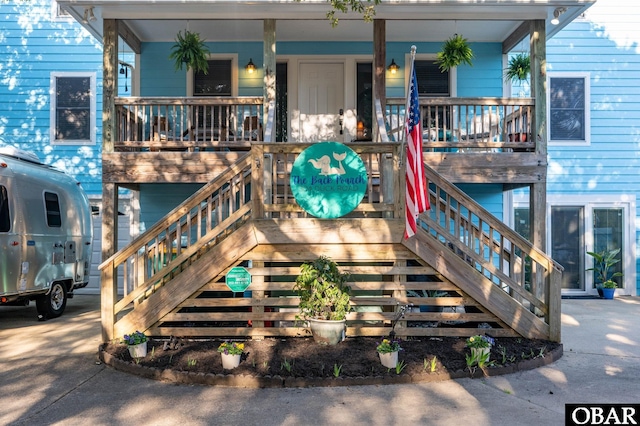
251 67
556 15
393 67
88 15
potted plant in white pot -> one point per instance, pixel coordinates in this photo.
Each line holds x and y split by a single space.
602 264
324 299
137 344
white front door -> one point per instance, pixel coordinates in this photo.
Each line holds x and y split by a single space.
320 112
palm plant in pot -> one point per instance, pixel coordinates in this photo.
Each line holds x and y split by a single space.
324 299
602 264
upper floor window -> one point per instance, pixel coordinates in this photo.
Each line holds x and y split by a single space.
568 108
217 82
431 81
73 108
58 12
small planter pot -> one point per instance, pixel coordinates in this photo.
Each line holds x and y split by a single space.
327 332
478 352
230 361
138 351
389 359
608 293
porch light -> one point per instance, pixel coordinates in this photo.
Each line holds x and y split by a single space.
88 15
556 15
393 67
251 67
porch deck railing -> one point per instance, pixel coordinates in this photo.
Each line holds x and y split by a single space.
191 123
459 125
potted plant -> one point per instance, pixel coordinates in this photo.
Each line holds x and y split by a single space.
518 68
388 352
480 347
137 344
602 264
190 50
231 353
454 52
324 299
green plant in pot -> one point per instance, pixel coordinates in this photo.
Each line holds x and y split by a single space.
190 51
324 299
518 68
602 264
454 52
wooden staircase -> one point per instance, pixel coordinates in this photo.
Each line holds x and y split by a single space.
174 274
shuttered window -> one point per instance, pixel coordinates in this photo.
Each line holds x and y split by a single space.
217 82
73 108
431 81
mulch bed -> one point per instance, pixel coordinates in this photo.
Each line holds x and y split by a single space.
301 362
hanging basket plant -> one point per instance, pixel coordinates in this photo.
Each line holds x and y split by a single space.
455 51
518 68
190 51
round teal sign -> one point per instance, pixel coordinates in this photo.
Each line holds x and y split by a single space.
328 180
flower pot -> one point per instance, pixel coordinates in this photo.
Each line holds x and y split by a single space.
389 359
138 351
327 332
608 293
478 352
230 361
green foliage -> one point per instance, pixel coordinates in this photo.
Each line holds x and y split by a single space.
609 284
602 264
400 366
191 51
337 369
322 290
286 365
135 338
366 8
518 68
455 51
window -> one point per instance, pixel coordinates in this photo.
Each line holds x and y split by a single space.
217 82
58 13
73 108
431 81
364 101
5 219
52 207
568 109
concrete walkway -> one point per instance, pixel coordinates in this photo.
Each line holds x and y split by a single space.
49 374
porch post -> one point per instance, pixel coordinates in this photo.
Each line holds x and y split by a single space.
269 52
379 67
108 281
538 191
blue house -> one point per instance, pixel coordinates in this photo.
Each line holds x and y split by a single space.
593 110
208 156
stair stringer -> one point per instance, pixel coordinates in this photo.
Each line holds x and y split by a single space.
482 290
212 263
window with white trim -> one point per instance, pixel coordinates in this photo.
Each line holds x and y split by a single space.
568 108
73 108
58 13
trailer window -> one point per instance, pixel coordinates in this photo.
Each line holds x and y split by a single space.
5 220
52 205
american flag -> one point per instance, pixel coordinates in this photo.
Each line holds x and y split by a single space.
416 188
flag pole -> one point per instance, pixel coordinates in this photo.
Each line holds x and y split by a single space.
408 101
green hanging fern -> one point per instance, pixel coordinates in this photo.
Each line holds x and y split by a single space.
518 68
454 52
191 51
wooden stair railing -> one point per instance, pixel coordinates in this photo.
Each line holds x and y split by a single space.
464 229
182 236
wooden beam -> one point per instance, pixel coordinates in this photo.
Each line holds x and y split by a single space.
269 53
379 65
109 83
129 37
515 37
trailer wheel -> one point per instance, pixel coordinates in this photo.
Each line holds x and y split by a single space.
52 305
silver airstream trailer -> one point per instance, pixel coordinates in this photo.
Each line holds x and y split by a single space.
45 234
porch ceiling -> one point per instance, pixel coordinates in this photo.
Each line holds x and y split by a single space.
422 20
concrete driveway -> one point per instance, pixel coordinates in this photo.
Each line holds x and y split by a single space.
49 374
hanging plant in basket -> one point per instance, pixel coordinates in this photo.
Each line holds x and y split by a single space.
518 68
455 51
190 51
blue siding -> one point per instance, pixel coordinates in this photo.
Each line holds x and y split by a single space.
33 45
156 200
